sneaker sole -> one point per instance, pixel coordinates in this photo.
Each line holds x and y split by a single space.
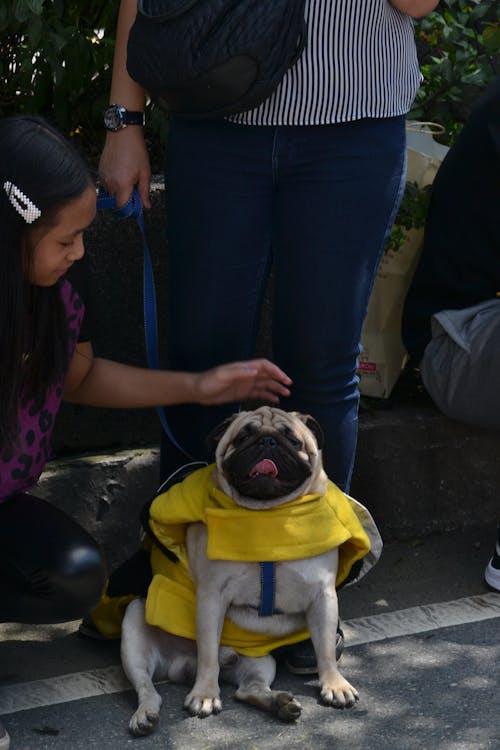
492 576
339 650
87 631
304 670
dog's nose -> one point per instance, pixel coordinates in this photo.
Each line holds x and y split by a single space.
267 441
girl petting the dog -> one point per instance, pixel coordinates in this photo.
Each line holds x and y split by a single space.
51 570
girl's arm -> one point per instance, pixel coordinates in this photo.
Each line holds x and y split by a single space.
415 8
101 382
124 161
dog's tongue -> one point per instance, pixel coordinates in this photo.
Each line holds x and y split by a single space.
266 466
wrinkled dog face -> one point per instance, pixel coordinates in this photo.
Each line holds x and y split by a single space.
268 456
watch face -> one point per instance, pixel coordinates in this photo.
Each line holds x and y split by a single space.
113 118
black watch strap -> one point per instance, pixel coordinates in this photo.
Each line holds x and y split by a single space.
133 118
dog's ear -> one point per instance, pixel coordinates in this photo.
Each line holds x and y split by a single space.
214 437
315 428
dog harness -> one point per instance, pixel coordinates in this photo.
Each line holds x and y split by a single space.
301 528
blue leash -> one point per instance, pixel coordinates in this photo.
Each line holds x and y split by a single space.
133 209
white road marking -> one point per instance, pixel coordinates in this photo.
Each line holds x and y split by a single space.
79 685
62 689
421 619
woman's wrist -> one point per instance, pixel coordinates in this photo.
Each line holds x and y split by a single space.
415 8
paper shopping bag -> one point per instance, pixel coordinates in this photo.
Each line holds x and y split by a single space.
383 355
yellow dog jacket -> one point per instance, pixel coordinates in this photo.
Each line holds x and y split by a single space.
300 528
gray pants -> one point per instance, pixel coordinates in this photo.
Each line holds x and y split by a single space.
461 364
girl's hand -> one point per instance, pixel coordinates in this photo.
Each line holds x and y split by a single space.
102 382
255 379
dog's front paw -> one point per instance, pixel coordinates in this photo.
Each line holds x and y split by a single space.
287 706
144 720
202 705
338 693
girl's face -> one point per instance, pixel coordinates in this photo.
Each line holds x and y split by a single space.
62 244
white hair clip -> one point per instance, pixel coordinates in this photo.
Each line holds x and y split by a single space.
23 205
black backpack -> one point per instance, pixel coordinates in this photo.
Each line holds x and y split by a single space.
213 58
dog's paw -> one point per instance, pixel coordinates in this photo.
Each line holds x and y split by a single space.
202 705
338 693
287 706
144 720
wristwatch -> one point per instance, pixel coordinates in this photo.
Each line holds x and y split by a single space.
117 117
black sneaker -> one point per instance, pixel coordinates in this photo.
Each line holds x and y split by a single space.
492 572
4 738
88 629
301 659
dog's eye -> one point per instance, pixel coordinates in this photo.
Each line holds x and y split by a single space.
244 434
291 437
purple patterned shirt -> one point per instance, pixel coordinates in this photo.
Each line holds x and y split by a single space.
20 468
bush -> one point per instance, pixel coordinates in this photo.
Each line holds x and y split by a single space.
411 214
459 52
56 58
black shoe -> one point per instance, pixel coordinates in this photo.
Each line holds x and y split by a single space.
4 738
301 659
492 572
88 629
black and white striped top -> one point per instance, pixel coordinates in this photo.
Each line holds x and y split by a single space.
360 61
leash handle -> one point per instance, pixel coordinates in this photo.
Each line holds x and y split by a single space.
133 209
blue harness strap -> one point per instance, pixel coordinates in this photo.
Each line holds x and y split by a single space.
267 590
133 209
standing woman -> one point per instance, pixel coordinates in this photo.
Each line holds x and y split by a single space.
308 183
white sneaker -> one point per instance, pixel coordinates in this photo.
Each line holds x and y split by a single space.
4 738
492 572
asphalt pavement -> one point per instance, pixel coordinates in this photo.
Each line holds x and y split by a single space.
423 649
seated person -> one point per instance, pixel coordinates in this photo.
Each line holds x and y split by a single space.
451 320
51 569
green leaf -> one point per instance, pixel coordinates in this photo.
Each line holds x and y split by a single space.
35 6
491 39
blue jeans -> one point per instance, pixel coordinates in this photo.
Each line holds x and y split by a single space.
314 203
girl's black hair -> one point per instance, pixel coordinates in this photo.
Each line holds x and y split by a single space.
36 159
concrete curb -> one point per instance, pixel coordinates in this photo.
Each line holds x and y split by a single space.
418 473
105 494
421 473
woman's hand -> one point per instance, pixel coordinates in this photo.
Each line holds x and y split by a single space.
415 8
124 163
124 160
257 379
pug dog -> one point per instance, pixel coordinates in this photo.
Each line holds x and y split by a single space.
266 495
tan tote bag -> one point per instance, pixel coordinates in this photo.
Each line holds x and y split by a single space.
383 355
